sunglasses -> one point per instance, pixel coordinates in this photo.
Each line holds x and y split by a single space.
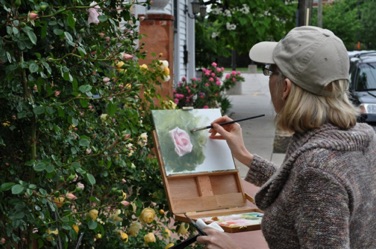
269 70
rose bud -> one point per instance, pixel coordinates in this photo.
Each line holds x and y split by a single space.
71 196
123 236
33 16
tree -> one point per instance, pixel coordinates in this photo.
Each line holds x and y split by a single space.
352 21
342 18
237 25
367 21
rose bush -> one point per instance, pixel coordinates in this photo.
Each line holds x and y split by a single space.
76 160
209 91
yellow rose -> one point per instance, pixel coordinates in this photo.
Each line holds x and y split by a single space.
75 228
183 229
161 212
144 66
54 231
59 201
115 216
163 64
166 71
120 64
167 233
123 236
93 214
169 104
149 238
122 70
147 215
124 195
134 228
169 246
98 236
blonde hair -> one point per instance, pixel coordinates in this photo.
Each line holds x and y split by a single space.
305 111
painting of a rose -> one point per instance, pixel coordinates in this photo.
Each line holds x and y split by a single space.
185 152
181 141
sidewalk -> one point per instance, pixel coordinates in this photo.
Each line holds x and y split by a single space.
259 136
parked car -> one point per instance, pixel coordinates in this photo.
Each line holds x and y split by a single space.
363 84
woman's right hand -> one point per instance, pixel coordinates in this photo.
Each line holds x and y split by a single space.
233 135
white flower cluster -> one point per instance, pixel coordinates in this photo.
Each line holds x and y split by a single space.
214 35
216 11
244 9
230 26
228 12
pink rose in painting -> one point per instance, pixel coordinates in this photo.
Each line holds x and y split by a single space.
181 141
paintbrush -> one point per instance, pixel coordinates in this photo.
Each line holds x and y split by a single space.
226 123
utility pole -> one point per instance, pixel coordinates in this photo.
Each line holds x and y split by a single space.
319 13
304 12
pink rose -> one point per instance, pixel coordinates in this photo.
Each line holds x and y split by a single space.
33 16
93 13
181 141
71 196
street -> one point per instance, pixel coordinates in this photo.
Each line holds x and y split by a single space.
259 134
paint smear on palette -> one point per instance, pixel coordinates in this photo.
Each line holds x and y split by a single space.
236 220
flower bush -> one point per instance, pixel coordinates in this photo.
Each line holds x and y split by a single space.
77 168
209 91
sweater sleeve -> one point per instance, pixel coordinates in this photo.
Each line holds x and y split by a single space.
322 210
260 171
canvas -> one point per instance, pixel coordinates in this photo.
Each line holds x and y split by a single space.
184 151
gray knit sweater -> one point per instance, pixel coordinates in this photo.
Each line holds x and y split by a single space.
324 193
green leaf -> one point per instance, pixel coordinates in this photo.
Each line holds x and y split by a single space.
33 67
58 31
81 50
38 110
32 186
102 18
39 166
111 108
42 191
17 189
76 165
85 88
84 142
15 30
67 76
47 67
90 178
71 20
92 224
74 122
50 168
30 33
6 186
69 38
9 57
84 103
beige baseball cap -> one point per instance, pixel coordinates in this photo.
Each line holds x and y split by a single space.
309 56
